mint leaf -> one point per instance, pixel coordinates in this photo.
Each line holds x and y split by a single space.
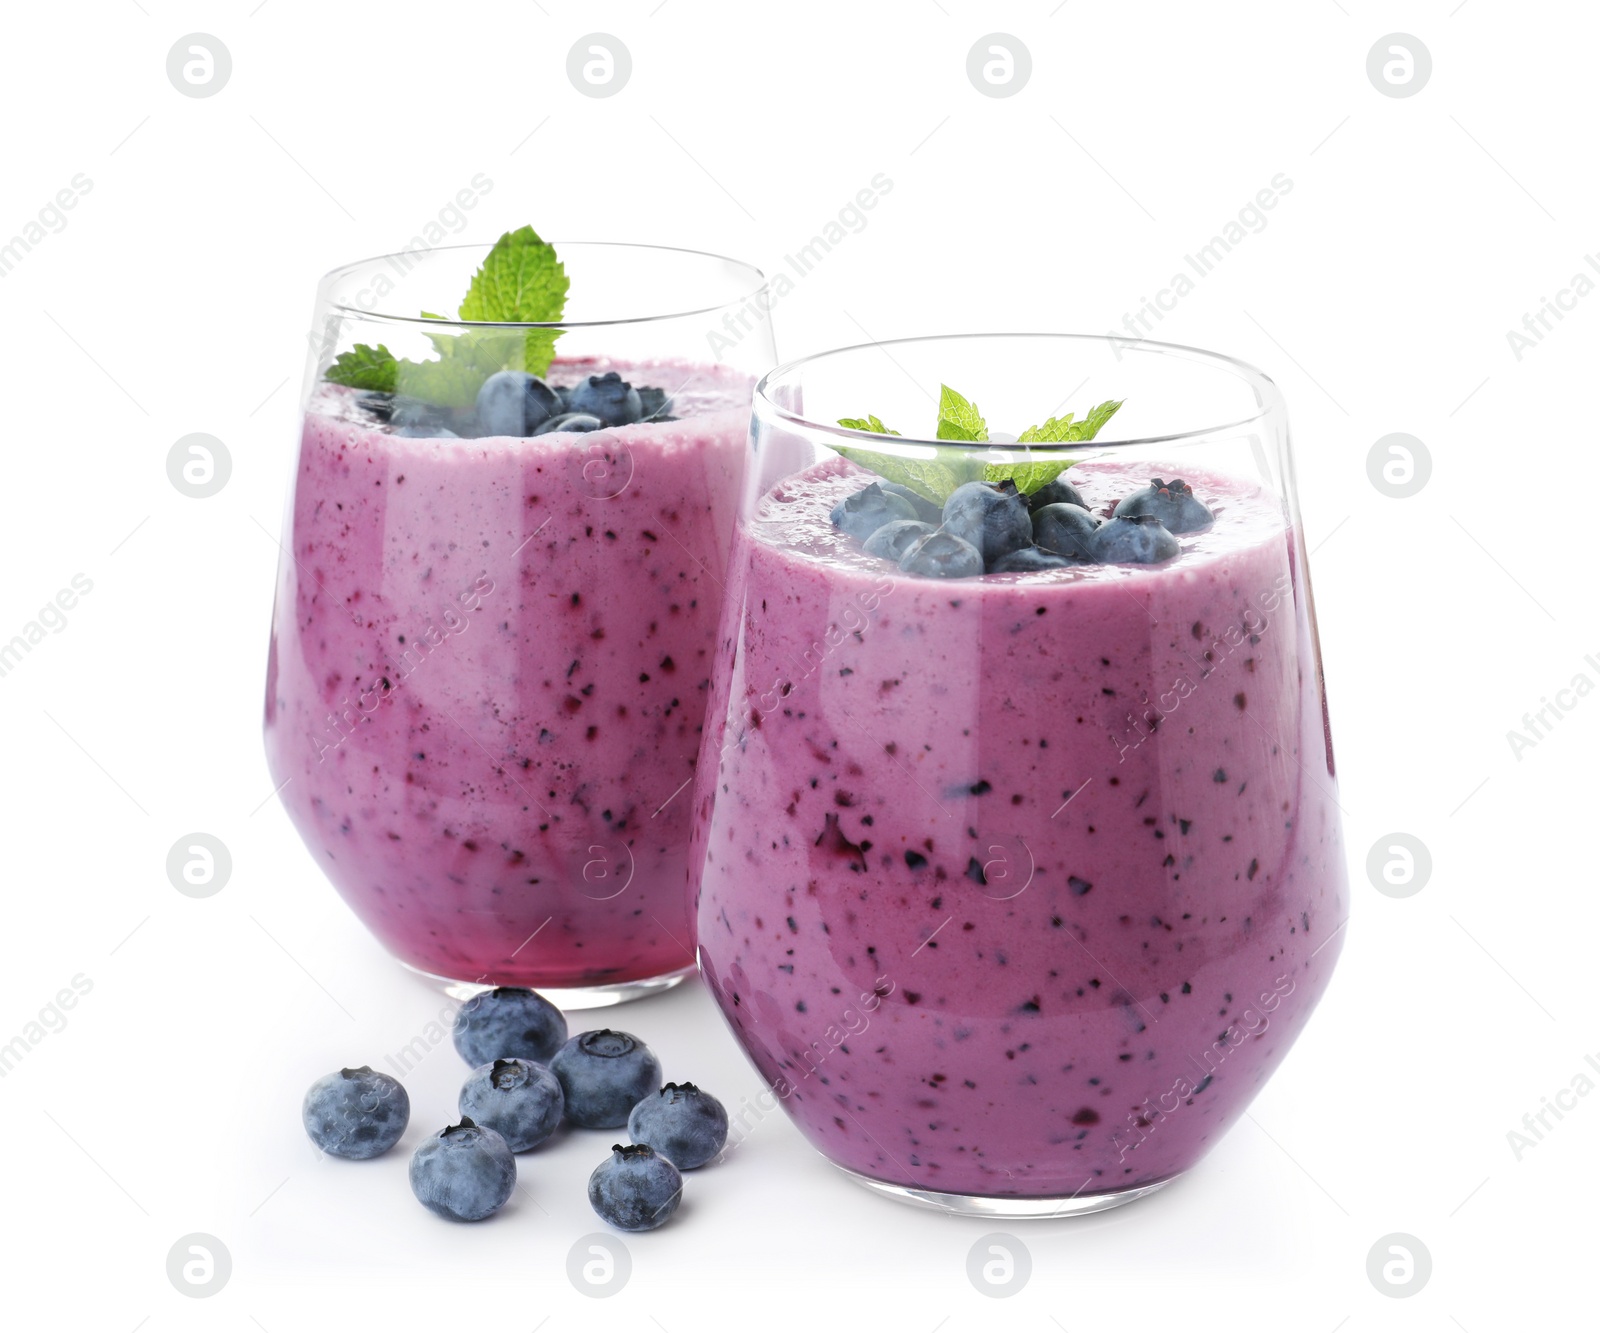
1029 477
868 423
448 382
364 367
521 282
933 478
1064 430
959 419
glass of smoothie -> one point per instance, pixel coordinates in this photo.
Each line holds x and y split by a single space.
496 606
1017 863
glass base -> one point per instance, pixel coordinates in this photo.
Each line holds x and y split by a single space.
1004 1206
568 997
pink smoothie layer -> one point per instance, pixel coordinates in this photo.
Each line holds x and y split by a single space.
488 674
1019 884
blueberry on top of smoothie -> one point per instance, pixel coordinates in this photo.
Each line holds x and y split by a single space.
609 397
1059 491
513 402
862 514
1133 539
990 516
1065 528
893 540
1173 503
1028 560
942 555
577 422
929 511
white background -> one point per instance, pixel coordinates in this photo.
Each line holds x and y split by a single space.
1418 231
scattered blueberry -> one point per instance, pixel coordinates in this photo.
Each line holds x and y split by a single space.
508 1022
1065 529
578 422
685 1125
464 1172
513 402
518 1099
928 510
603 1073
862 514
356 1113
1173 503
1029 560
653 403
1055 493
942 555
608 396
1136 539
991 517
892 540
635 1189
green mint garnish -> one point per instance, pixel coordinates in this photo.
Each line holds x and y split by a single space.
520 282
961 421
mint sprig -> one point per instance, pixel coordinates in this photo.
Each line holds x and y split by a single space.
521 281
961 421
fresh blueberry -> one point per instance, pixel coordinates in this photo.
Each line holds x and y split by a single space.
927 510
862 514
653 403
683 1124
1056 492
608 396
577 422
1065 529
518 1099
464 1172
513 402
942 555
603 1073
892 540
508 1022
1133 539
1173 503
356 1113
1029 560
636 1188
991 517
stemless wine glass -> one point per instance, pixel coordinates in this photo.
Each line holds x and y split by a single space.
1015 887
490 653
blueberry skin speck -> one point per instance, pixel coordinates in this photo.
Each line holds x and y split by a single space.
635 1189
356 1113
685 1125
862 514
508 1022
603 1074
893 540
1054 493
609 397
993 518
942 555
1029 560
464 1172
1137 539
927 510
1065 529
513 402
575 422
1173 503
518 1099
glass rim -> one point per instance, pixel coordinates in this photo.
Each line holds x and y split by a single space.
355 312
1257 380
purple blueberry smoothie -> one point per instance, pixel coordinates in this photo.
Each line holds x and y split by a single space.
488 673
1022 884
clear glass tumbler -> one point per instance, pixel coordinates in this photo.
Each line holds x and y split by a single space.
1016 886
490 653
